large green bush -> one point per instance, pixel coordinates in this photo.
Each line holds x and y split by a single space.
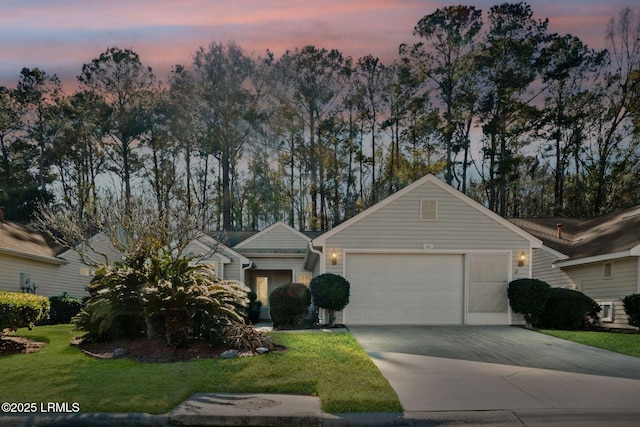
63 309
632 308
288 303
18 310
183 299
566 309
159 295
331 292
528 297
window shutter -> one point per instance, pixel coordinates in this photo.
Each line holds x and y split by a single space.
428 210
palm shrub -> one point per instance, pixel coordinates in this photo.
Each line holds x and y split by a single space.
566 309
156 294
631 305
528 297
183 299
331 292
114 308
288 303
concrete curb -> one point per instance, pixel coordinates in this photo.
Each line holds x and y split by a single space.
494 418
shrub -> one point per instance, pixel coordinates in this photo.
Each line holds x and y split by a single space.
528 297
159 295
179 294
632 308
63 309
331 292
245 337
565 309
114 308
255 307
18 310
288 303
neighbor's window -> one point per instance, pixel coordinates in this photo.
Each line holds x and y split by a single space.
607 271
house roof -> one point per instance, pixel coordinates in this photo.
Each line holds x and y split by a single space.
429 178
27 241
615 233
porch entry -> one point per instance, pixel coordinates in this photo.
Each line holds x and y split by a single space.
263 282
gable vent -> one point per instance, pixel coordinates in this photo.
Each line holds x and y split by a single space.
428 210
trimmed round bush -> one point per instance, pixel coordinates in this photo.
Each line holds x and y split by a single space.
528 297
288 303
632 308
331 292
566 309
18 310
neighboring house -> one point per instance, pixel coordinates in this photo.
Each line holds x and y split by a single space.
599 257
427 254
31 262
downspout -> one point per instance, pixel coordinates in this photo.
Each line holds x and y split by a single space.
245 267
320 256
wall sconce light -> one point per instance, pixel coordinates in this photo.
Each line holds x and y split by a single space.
334 257
522 258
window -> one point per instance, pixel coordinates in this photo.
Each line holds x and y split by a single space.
607 270
304 278
428 210
262 289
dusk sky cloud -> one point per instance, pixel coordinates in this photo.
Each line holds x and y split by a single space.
58 36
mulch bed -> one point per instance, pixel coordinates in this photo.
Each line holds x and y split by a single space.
153 350
17 345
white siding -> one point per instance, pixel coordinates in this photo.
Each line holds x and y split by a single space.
46 276
590 280
397 226
543 270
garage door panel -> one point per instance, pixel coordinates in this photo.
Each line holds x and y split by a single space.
405 289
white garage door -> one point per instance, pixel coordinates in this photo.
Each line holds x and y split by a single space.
405 289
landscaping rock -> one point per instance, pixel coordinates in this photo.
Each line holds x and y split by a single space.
229 354
118 352
262 350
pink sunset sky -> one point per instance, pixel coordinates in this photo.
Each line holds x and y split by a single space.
59 36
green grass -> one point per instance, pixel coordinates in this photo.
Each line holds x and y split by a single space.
332 366
613 341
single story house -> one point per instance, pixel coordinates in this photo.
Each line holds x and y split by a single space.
599 257
427 254
31 262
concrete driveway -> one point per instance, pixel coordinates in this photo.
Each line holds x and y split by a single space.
462 368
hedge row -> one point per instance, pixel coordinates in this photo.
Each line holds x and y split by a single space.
18 310
552 308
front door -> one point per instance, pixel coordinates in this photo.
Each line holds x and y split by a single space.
263 282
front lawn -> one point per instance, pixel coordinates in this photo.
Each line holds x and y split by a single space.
332 366
625 343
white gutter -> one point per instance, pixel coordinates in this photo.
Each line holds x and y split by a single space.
596 258
320 256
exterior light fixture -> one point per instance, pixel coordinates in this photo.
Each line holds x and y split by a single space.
334 257
522 258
